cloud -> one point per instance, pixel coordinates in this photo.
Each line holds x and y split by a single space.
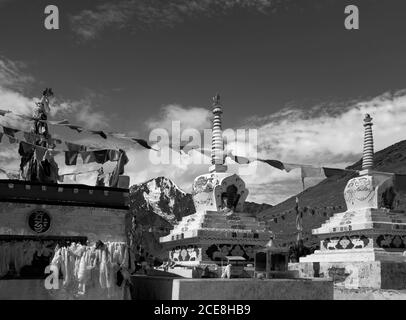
11 75
330 137
146 14
321 136
15 82
189 117
83 112
87 24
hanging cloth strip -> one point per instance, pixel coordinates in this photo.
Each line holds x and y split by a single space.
80 129
118 170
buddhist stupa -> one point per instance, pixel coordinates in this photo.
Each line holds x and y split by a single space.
364 244
219 228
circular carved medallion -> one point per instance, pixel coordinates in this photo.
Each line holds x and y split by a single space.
39 221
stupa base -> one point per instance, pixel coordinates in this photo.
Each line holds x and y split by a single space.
355 274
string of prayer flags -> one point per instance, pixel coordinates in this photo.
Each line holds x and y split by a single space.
99 132
65 123
274 163
143 143
238 159
93 155
320 172
80 129
184 148
58 122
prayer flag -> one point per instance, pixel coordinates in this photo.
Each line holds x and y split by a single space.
118 170
238 159
299 220
99 132
143 143
274 163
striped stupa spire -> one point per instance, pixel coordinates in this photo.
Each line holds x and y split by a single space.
217 144
368 154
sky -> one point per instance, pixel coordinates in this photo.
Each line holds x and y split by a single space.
286 68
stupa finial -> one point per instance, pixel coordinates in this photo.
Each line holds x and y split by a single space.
216 100
217 146
368 154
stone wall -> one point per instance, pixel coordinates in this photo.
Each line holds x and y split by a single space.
94 223
162 288
34 289
354 275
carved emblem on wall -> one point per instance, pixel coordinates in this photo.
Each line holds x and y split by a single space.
39 221
346 242
388 241
205 184
347 218
185 253
359 189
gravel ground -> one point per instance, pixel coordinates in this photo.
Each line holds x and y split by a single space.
368 294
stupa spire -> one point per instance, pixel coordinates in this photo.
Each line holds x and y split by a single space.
368 154
217 143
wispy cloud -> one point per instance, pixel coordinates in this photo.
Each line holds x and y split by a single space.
321 136
333 135
82 111
11 75
189 117
146 14
14 82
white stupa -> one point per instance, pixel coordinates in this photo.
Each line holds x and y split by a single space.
363 246
219 228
